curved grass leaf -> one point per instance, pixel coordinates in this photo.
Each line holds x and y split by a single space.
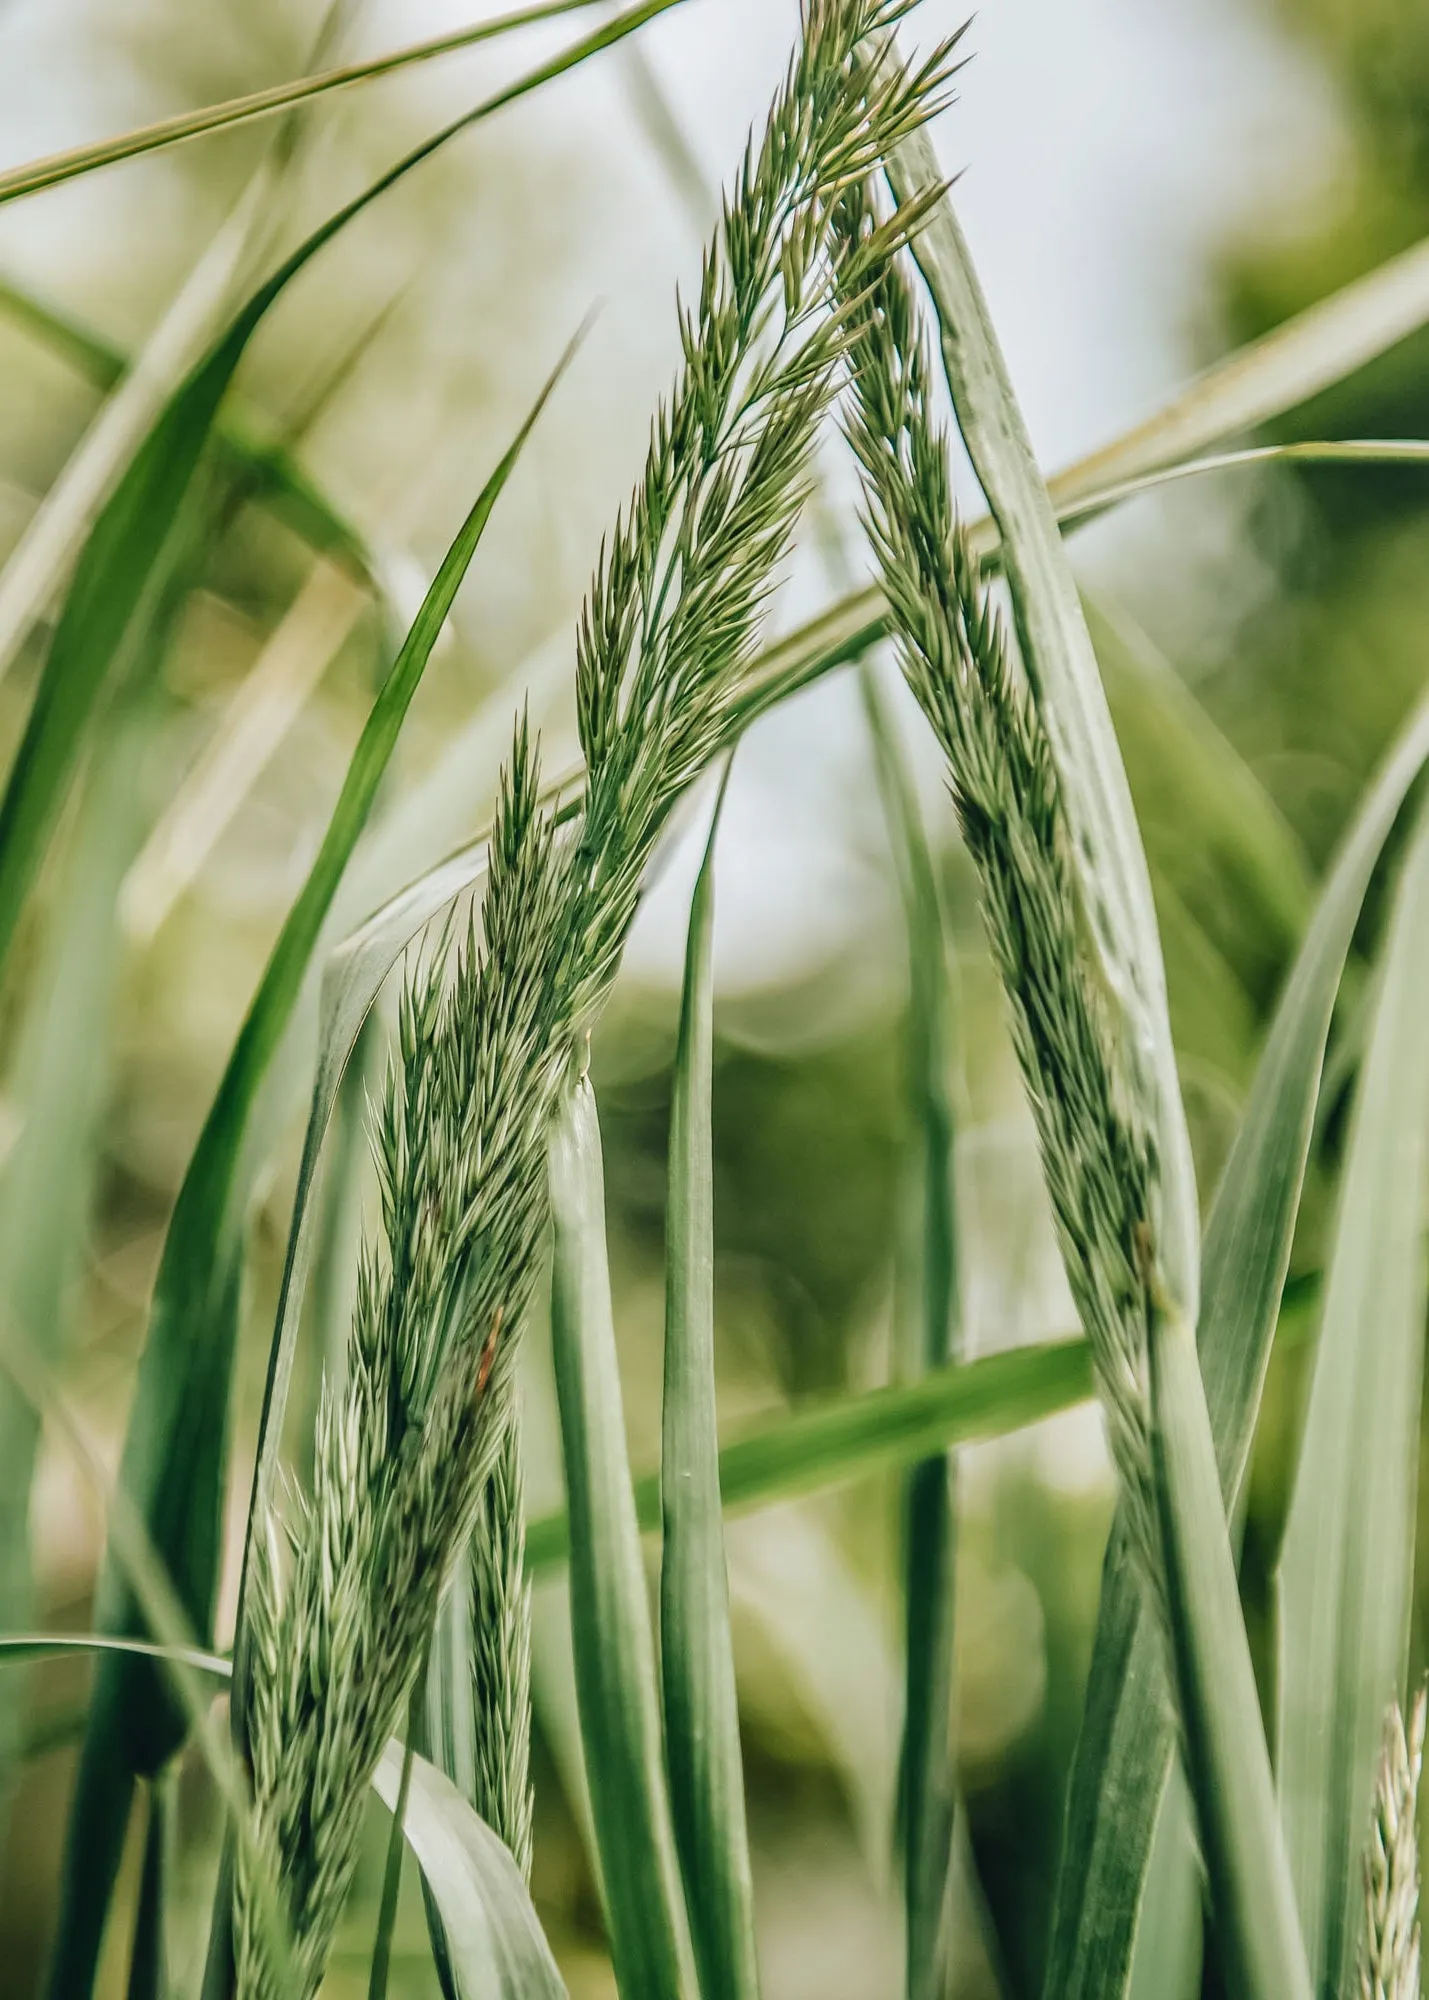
115 569
1126 1743
929 1751
857 1435
610 1618
1345 1580
57 168
498 1949
17 1647
172 1470
702 1748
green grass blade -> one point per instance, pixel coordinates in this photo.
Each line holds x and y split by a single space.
174 1455
148 1972
856 1435
929 1752
1345 1580
498 1949
702 1746
1211 830
1125 1748
47 1186
57 168
18 1647
614 1649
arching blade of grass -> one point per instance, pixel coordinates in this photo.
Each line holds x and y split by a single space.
268 469
498 1949
1345 1580
56 168
702 1747
934 1339
115 567
1126 1743
1223 1739
173 1466
857 1435
615 1654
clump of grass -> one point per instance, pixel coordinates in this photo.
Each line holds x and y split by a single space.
1389 1964
343 1593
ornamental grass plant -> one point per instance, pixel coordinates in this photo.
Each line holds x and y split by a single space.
1237 1809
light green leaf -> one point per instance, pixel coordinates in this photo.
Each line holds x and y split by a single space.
614 1650
1210 828
16 1647
933 1302
857 1435
1345 1581
1125 1748
498 1949
702 1746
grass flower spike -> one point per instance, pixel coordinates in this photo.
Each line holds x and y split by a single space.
345 1590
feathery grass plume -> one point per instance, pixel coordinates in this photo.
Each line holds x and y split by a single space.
501 1651
1389 1963
1096 1154
336 1623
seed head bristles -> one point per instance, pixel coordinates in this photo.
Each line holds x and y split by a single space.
501 1650
404 1453
1389 1964
1097 1156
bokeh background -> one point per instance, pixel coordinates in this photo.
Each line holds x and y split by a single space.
1144 188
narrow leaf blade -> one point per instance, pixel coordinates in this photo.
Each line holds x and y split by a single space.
498 1949
614 1650
1126 1744
1345 1581
702 1745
